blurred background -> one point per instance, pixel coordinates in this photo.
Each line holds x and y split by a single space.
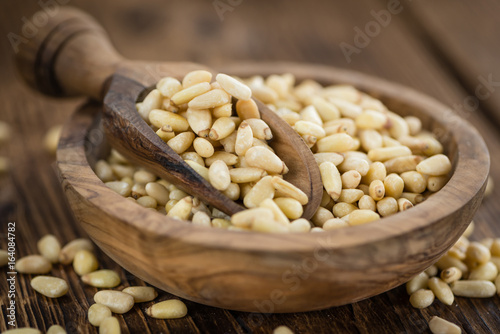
447 49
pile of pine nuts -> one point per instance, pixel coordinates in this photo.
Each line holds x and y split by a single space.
469 269
79 253
373 162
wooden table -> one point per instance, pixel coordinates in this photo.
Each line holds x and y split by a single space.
447 49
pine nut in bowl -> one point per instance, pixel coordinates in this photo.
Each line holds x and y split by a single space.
281 272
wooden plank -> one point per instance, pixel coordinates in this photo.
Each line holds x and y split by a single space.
258 30
463 35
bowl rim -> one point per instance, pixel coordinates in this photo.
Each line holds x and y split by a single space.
463 186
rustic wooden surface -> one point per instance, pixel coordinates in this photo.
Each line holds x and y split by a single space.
445 50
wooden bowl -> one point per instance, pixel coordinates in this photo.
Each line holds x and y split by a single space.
258 272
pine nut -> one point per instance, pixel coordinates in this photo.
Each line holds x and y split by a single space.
117 301
370 139
359 217
33 264
103 171
278 215
309 128
268 226
338 142
377 190
181 142
110 326
123 171
210 99
234 87
366 202
160 118
177 194
398 126
376 171
222 128
49 286
97 313
168 86
51 139
413 197
121 188
477 253
350 195
441 290
261 157
394 185
354 163
334 223
422 298
414 124
260 129
49 247
371 119
246 174
85 262
244 138
141 294
387 153
334 158
331 179
56 329
447 261
158 192
262 190
416 283
451 274
196 77
104 278
438 325
290 207
147 202
218 174
247 109
286 189
168 309
246 218
282 330
200 121
300 225
346 108
201 218
327 111
431 271
473 289
490 186
343 209
68 252
342 125
404 204
414 182
228 158
387 206
203 147
188 94
435 166
403 164
351 179
484 272
182 209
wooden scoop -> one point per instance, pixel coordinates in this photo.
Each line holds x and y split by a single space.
72 56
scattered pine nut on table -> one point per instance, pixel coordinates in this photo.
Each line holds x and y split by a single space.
373 162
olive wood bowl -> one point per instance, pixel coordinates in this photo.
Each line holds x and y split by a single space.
257 272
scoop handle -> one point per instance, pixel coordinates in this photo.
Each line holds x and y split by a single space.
70 55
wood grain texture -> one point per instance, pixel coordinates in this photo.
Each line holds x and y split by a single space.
301 31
